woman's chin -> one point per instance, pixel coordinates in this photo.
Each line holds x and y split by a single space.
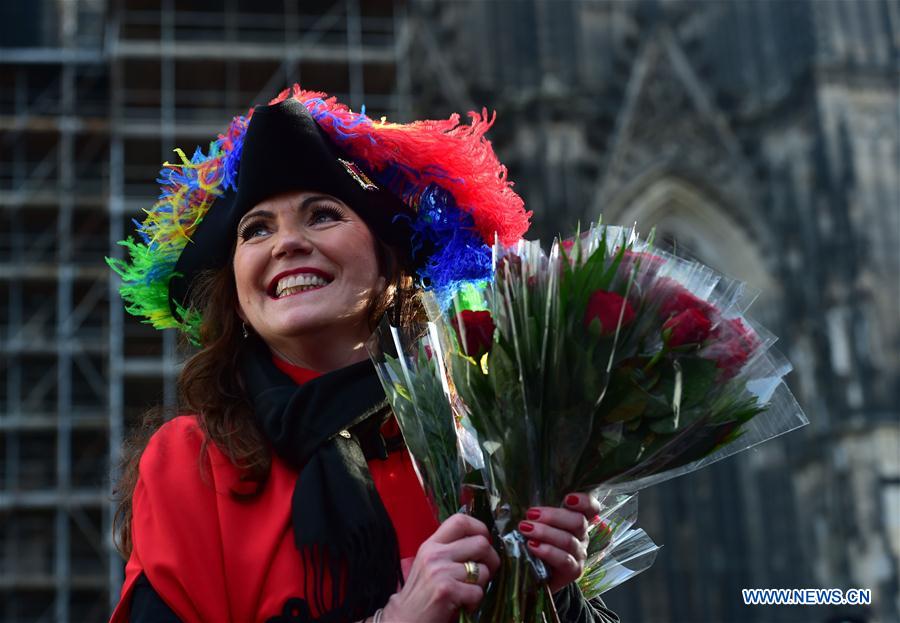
308 315
293 328
308 324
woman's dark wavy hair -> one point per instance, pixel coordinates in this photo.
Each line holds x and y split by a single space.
210 384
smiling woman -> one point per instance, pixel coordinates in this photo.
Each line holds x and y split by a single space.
306 270
282 490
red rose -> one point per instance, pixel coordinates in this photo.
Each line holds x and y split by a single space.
477 332
566 254
647 263
734 344
607 307
567 247
691 326
675 299
640 266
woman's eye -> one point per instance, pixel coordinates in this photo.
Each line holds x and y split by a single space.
325 214
253 230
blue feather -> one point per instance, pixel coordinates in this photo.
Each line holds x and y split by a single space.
460 255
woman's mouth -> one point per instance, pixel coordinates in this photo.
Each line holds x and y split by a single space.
301 282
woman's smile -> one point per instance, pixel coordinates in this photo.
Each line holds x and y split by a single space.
297 281
302 288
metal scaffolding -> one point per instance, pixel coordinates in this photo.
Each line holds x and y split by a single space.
93 96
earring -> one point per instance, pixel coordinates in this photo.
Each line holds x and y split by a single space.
244 327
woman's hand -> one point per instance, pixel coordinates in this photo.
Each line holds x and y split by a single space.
436 587
558 536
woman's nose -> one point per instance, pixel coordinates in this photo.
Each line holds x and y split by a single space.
290 241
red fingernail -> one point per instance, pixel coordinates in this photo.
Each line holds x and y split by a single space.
572 500
533 514
534 543
525 526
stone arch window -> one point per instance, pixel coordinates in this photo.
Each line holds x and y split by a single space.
699 226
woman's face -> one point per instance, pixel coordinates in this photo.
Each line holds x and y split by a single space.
305 264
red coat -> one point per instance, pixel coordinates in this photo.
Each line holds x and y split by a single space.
213 558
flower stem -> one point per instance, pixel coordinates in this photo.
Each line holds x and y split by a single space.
550 605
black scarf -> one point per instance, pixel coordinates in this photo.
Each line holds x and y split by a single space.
325 428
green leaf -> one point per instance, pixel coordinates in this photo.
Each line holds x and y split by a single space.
698 379
595 329
504 375
625 455
667 425
402 391
590 386
610 273
633 406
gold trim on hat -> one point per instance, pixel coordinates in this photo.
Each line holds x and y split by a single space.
356 173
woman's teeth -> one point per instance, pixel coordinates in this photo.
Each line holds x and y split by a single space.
298 283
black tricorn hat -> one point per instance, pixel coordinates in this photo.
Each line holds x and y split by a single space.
285 150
